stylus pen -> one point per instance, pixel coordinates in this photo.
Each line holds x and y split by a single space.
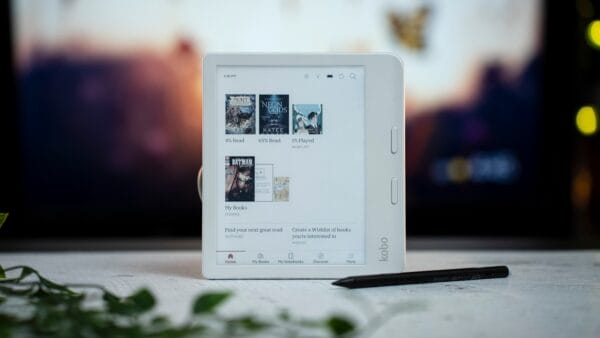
418 277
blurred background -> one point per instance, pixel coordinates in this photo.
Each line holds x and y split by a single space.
101 136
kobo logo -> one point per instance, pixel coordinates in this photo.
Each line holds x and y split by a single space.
383 249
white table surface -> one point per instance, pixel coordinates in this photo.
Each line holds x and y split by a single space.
548 294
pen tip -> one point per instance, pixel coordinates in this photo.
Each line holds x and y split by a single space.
341 282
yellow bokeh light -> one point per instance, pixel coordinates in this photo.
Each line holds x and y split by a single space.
593 33
587 120
459 170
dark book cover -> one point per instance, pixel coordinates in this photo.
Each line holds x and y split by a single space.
274 114
240 116
239 178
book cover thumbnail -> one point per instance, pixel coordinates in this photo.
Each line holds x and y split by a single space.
240 114
274 114
307 118
281 189
239 178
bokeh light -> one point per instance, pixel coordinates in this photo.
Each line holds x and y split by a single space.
593 34
459 170
586 120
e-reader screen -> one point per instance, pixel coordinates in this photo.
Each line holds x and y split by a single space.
291 175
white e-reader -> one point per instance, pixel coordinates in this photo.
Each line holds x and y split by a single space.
303 165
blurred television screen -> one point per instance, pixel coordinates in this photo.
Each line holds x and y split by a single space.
110 99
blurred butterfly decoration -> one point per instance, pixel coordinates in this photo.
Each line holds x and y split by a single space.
409 29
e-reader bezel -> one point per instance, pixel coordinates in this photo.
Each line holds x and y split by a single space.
385 237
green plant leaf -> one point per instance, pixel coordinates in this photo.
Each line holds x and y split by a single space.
160 321
3 217
284 315
55 287
109 297
15 291
49 309
142 301
26 272
250 323
339 326
2 273
114 304
208 302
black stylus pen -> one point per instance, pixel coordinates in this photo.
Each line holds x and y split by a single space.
418 277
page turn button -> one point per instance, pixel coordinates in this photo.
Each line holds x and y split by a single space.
394 140
394 190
